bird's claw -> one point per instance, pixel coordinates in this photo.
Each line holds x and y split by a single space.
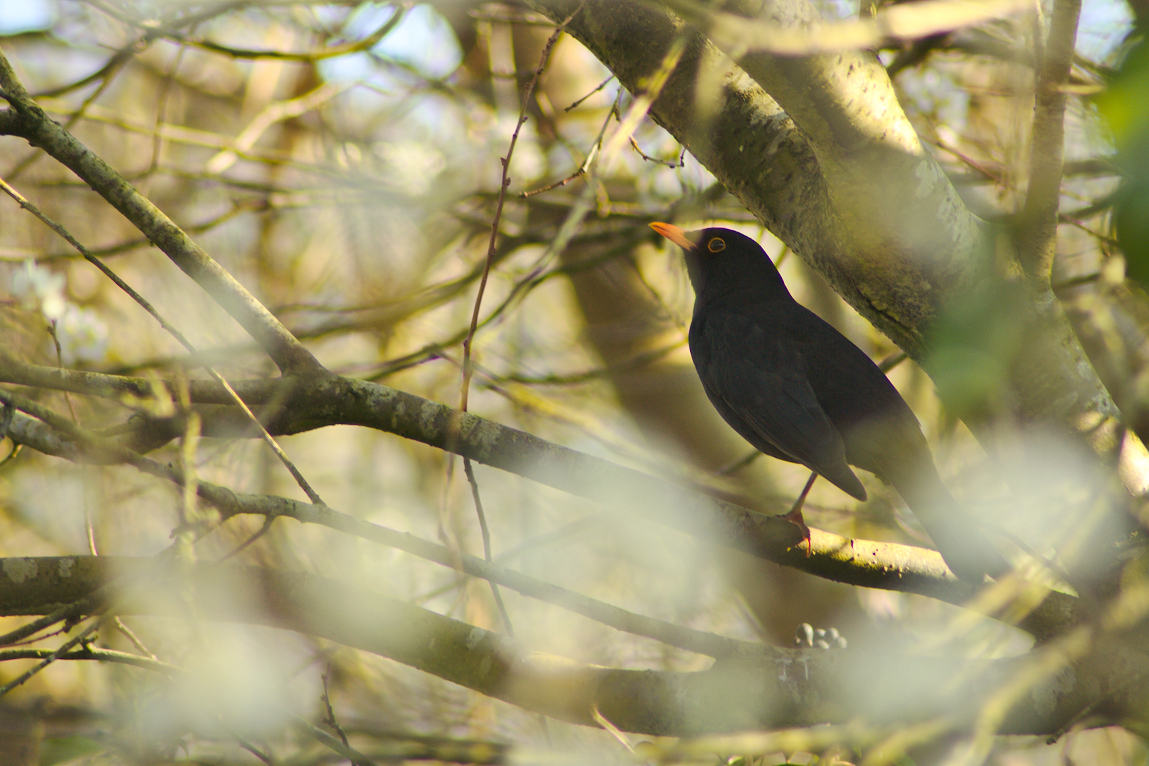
795 517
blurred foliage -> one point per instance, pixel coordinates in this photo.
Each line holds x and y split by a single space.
973 343
352 189
1126 110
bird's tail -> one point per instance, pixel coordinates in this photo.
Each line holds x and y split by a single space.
954 531
896 450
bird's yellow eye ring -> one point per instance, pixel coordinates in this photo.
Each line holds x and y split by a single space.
716 245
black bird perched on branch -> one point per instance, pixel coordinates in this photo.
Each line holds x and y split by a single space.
800 391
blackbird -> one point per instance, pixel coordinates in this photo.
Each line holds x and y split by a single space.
800 391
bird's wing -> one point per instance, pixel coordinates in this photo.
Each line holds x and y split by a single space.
779 407
762 382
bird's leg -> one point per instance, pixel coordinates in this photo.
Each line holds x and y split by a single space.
795 514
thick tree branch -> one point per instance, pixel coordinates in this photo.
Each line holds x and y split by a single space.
904 218
740 133
793 688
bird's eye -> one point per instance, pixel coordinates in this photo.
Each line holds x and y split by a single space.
716 245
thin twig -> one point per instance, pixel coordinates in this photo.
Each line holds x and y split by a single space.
89 653
487 544
264 528
582 170
587 165
615 732
329 718
161 110
65 648
601 85
337 746
679 163
645 99
133 638
503 184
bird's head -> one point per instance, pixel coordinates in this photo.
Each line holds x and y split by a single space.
721 261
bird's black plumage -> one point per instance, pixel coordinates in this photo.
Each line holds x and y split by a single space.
798 390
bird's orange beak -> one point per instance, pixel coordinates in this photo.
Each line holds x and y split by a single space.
675 235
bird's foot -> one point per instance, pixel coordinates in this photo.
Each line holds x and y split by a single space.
795 514
795 517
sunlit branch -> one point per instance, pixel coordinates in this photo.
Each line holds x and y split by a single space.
88 653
